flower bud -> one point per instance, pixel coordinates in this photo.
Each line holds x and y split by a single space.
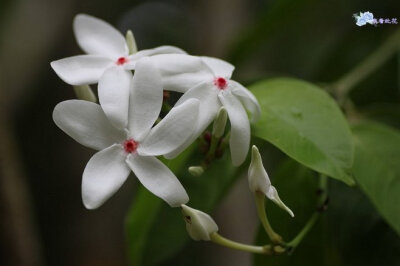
199 225
260 182
130 41
196 170
84 92
220 122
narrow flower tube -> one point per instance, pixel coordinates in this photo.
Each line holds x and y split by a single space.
199 225
260 182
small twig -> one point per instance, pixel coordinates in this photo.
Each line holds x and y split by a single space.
220 240
344 85
321 207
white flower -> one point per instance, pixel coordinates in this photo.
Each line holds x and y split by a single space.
107 61
133 148
199 225
259 180
208 79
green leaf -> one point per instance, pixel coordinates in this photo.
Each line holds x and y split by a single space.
377 168
303 121
157 232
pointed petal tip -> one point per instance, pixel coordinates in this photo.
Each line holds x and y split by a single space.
89 206
89 203
80 69
254 150
255 155
80 15
83 16
79 18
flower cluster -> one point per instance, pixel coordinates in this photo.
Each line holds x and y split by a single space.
126 128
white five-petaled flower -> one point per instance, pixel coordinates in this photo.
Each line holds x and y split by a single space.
208 79
259 180
107 62
134 147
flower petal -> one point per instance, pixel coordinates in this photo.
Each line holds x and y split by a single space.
145 99
209 103
165 49
158 178
272 194
173 130
248 100
81 69
86 123
181 72
220 67
104 174
209 106
114 87
240 128
259 180
96 36
257 175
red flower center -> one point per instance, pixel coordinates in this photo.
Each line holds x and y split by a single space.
221 83
121 61
130 145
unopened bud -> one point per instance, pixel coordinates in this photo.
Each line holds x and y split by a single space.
199 225
220 123
260 182
84 92
130 41
196 170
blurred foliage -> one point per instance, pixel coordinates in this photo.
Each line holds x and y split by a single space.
377 169
350 232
